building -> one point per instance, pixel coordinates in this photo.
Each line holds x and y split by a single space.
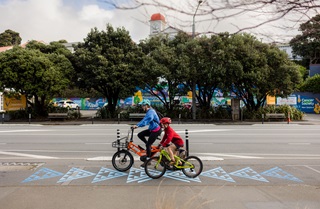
158 25
288 49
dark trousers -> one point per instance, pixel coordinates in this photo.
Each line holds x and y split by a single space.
152 138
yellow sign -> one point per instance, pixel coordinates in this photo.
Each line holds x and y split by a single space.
14 103
271 100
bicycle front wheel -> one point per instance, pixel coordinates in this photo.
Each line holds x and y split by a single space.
192 167
122 160
154 169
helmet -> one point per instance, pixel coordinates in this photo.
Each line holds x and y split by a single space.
165 120
145 102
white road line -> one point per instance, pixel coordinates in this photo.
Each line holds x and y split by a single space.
299 143
15 131
312 169
95 143
228 155
27 155
109 158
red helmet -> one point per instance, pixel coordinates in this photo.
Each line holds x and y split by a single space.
165 120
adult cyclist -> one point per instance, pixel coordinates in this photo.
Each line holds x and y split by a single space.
154 130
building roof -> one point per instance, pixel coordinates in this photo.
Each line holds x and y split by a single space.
157 16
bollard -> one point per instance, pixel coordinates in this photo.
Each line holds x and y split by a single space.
118 139
92 118
262 118
179 118
289 117
2 118
119 118
187 143
29 118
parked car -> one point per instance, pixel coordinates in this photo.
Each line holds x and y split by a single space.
68 104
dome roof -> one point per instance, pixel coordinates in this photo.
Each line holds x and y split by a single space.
157 16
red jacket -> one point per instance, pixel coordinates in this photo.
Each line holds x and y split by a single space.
171 136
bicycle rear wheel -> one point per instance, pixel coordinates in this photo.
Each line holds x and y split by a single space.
154 169
122 160
193 167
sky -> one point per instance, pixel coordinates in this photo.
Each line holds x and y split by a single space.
72 20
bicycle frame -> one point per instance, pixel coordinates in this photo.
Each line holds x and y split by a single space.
185 164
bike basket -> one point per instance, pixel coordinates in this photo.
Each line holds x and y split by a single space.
119 144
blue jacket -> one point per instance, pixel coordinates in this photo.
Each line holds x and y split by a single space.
151 118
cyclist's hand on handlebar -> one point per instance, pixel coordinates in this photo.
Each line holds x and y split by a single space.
134 126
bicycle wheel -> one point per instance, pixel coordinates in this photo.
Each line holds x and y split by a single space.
154 169
122 160
193 167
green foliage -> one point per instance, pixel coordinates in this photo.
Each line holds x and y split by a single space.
295 114
307 44
312 84
9 38
109 62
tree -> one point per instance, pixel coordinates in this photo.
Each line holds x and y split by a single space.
109 62
9 38
167 69
312 84
258 70
34 74
307 44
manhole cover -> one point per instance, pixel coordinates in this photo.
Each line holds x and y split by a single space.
18 166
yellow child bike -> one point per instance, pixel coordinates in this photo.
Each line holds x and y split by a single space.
156 166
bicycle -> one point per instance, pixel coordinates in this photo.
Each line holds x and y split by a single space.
156 167
123 160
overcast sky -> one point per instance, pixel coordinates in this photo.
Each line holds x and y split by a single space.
53 20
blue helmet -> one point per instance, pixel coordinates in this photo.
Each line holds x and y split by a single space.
145 102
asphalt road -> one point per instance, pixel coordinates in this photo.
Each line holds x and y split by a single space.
253 166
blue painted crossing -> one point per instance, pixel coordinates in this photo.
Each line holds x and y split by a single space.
139 176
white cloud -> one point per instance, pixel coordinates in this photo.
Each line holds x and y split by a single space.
52 20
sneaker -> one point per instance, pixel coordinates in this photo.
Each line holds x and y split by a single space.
144 164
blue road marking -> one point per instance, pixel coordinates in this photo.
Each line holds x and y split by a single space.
138 175
106 174
179 176
249 174
279 173
218 173
43 173
75 173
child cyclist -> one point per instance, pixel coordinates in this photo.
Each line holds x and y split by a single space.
171 140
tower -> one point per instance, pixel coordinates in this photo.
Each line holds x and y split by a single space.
157 23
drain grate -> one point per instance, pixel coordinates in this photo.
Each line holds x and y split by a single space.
17 166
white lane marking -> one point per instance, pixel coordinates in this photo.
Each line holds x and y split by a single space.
27 155
228 155
15 131
95 143
297 143
204 130
312 169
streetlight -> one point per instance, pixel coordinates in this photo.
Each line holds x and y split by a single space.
194 106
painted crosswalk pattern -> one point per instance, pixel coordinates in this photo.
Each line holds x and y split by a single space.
138 175
279 173
249 174
218 173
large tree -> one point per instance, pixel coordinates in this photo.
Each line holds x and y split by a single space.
109 62
259 70
307 44
34 74
9 38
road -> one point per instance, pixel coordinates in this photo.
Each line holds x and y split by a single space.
253 166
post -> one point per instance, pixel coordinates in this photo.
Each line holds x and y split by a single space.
29 118
262 116
92 118
194 106
119 118
2 118
288 117
118 139
179 118
187 143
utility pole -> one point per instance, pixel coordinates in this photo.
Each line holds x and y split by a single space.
194 106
